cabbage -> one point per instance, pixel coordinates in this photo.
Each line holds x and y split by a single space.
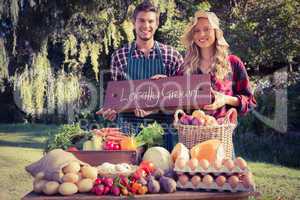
160 157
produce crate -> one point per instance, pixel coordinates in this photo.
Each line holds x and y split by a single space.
96 158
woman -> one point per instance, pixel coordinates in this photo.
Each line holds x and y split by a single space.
207 53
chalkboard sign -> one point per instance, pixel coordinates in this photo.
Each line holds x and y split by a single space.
167 93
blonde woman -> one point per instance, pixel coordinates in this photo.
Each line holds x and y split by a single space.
207 53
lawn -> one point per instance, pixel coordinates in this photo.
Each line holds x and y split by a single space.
21 145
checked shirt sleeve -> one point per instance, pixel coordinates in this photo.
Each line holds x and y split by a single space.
241 86
116 66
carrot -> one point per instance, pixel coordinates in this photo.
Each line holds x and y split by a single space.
115 138
118 134
108 132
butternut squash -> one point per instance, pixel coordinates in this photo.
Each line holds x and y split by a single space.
211 150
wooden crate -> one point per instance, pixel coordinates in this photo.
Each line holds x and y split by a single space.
96 158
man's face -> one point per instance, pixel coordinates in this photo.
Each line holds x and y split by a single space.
145 25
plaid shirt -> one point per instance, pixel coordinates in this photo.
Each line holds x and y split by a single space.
235 84
172 60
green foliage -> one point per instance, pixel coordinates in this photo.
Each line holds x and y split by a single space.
3 65
168 33
32 84
66 136
84 52
265 32
95 49
67 92
150 135
14 11
127 27
70 46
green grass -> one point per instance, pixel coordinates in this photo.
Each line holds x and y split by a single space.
20 145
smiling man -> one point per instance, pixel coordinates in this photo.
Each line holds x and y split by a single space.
144 58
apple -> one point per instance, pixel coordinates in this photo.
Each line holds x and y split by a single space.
184 120
197 122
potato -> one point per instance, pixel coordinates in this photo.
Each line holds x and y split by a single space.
70 177
51 187
79 176
39 185
57 176
85 185
89 172
72 167
39 176
67 189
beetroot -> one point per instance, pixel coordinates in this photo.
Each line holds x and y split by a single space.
106 190
108 182
115 190
153 185
99 189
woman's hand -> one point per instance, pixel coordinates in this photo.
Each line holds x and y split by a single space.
108 114
143 113
220 101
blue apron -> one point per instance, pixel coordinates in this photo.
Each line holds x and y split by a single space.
140 69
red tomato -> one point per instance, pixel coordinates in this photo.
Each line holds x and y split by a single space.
72 149
147 166
116 147
139 173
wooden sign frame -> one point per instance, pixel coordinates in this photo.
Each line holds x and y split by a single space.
171 93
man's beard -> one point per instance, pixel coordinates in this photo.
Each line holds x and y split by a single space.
145 38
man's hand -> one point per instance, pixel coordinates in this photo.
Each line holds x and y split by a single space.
142 113
158 76
108 114
220 101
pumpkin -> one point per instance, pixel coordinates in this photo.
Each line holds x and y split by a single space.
180 151
211 150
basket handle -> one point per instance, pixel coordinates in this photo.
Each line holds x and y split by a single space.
231 116
176 115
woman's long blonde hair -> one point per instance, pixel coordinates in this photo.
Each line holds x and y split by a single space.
193 58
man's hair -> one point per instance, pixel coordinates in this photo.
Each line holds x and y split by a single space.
145 6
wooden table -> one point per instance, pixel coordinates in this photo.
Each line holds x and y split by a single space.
162 196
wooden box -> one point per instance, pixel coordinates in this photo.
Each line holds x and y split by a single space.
96 158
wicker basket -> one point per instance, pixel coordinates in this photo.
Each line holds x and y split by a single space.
190 135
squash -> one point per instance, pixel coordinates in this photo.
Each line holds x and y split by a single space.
180 151
211 150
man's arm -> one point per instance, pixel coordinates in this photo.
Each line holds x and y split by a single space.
117 65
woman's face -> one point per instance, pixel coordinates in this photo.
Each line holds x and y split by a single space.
204 34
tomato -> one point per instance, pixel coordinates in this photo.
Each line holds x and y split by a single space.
139 173
116 147
109 145
72 149
147 166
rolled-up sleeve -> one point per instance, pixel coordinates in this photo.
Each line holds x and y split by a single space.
116 65
241 86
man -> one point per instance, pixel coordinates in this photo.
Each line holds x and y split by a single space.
143 59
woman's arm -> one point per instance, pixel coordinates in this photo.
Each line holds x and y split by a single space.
243 98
